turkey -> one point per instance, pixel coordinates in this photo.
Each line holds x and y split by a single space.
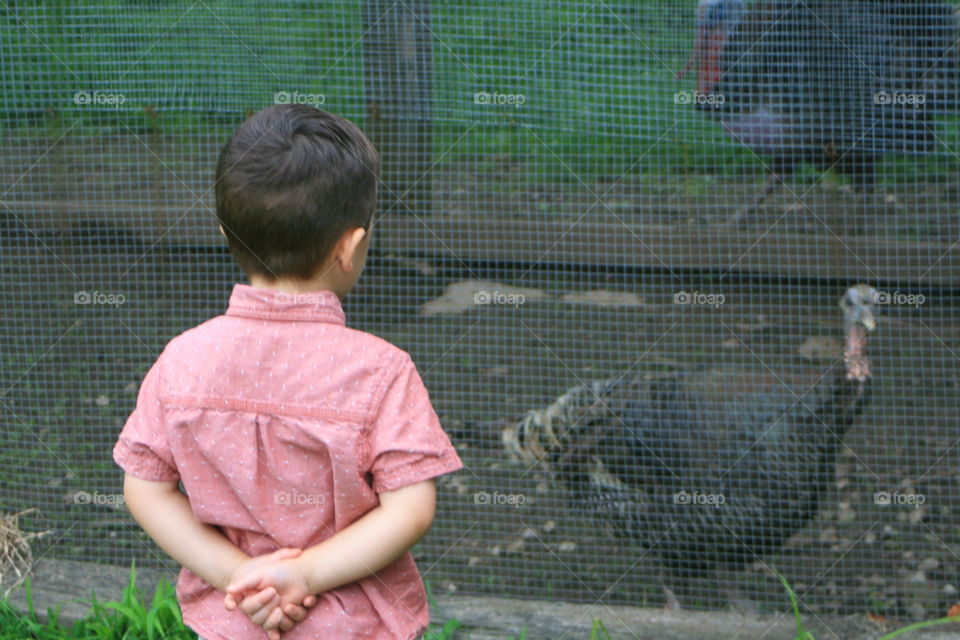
835 83
707 469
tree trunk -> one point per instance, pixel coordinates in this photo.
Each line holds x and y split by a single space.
397 81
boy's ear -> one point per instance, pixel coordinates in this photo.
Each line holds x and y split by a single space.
350 241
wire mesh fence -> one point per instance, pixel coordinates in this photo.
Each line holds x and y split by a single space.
639 214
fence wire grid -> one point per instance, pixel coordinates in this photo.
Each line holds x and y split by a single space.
640 215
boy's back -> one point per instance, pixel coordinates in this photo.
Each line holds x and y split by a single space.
289 431
283 425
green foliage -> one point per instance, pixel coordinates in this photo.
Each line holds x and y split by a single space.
599 631
131 618
803 634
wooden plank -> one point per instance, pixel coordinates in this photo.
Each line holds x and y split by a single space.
670 248
630 244
61 583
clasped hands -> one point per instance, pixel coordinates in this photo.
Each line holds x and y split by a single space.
271 590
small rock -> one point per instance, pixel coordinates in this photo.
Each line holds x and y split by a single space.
456 483
422 267
549 526
731 343
566 545
528 533
929 564
131 388
949 589
760 323
102 400
474 561
542 487
495 550
917 611
845 513
516 546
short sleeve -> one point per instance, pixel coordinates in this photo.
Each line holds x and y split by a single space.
406 443
143 450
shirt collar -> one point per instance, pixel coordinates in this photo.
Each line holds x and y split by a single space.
312 306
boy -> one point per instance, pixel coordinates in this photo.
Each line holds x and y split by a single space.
307 450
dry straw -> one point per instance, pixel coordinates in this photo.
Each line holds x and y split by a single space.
16 558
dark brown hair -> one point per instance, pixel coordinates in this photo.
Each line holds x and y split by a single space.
290 181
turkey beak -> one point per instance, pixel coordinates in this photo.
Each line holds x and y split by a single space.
867 319
863 315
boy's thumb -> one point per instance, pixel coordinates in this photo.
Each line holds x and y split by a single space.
249 582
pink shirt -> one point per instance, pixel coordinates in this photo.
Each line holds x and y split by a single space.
283 426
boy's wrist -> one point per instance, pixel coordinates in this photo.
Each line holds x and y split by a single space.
230 576
305 570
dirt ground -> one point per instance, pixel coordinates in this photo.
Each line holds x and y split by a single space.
492 363
71 373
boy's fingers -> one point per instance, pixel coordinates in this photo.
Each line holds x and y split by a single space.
273 620
294 611
285 623
247 583
254 603
310 601
250 582
229 602
261 617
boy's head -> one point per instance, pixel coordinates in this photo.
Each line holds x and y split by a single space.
291 181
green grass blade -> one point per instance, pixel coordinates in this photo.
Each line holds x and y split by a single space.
920 625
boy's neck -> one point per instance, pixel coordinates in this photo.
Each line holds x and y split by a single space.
290 285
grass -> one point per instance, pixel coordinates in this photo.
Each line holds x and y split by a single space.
128 619
132 618
803 634
573 63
